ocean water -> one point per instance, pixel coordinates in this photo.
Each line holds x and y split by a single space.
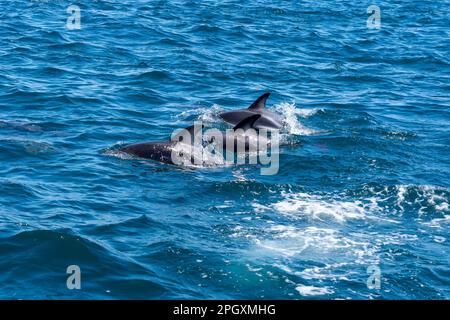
362 193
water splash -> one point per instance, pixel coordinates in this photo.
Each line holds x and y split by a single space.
291 121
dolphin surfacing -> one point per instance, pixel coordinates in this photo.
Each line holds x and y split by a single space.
162 151
268 120
159 151
186 146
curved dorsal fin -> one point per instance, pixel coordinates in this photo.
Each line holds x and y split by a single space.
260 103
247 123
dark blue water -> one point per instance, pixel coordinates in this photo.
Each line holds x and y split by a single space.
364 166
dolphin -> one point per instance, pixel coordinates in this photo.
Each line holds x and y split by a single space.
268 120
243 135
186 146
162 151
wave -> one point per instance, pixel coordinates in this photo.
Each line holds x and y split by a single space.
19 146
115 272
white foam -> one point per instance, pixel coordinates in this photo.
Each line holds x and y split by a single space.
313 291
337 254
290 241
439 239
438 201
290 115
340 255
425 197
302 205
329 271
239 175
299 205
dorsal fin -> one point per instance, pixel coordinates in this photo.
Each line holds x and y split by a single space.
247 123
192 130
260 103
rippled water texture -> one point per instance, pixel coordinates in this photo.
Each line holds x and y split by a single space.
364 166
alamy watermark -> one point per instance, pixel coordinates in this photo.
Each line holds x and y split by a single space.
374 19
74 19
74 280
374 279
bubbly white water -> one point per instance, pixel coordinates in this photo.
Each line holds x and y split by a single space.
313 291
291 114
317 230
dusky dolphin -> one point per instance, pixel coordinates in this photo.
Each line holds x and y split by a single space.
187 144
243 135
162 151
268 120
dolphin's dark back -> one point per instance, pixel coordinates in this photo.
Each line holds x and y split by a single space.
236 116
158 151
268 119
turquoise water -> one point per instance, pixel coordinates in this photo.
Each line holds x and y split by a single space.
364 166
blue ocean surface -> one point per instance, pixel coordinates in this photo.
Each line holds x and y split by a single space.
359 208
